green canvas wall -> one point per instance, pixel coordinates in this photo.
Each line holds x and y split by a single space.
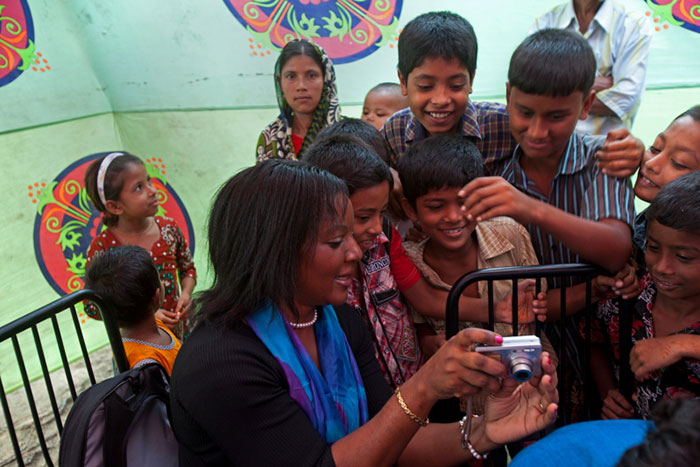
176 80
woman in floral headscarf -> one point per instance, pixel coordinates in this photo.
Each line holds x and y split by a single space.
308 101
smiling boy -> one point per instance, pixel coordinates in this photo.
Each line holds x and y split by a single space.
437 63
432 173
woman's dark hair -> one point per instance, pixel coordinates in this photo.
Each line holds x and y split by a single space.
673 442
300 47
127 280
113 183
441 161
351 160
362 130
693 112
263 221
677 205
553 62
437 34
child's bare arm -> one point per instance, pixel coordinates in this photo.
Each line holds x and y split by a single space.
431 301
428 340
615 405
488 197
184 302
659 352
624 284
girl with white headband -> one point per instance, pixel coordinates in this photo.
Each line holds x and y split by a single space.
119 187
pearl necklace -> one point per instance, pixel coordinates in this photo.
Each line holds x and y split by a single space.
307 324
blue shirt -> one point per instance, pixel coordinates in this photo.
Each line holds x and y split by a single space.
599 443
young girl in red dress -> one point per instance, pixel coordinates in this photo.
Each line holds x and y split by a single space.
119 187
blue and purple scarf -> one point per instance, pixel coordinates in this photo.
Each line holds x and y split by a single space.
334 398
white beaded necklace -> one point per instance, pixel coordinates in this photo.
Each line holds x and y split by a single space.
306 324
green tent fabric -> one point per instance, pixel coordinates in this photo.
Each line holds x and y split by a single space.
187 87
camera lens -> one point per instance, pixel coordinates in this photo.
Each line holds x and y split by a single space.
520 367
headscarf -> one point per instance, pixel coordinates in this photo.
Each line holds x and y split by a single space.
275 141
334 397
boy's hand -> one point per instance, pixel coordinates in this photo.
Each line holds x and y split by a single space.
529 307
395 208
625 284
653 354
621 154
616 406
169 318
430 343
487 197
539 307
415 234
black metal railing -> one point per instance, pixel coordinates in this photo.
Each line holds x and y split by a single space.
584 273
31 321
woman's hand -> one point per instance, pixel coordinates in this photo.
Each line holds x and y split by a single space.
615 406
516 411
456 370
529 306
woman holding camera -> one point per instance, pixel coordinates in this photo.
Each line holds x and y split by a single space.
274 375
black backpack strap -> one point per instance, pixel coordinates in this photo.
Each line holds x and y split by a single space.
118 418
73 438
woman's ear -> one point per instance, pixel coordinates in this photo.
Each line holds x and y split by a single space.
408 209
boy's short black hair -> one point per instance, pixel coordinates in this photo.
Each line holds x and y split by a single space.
441 161
677 205
693 112
362 130
350 159
437 34
674 440
127 280
553 62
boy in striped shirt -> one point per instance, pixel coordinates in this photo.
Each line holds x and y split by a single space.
552 185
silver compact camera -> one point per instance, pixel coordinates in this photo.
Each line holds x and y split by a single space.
519 354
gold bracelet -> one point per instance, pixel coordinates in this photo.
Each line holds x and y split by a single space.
407 411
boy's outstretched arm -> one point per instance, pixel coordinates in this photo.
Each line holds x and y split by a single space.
431 301
607 242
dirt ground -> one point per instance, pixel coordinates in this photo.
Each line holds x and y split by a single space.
101 361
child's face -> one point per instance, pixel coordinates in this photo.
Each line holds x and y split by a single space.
673 259
301 81
675 152
438 92
381 105
542 125
138 197
369 205
442 219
